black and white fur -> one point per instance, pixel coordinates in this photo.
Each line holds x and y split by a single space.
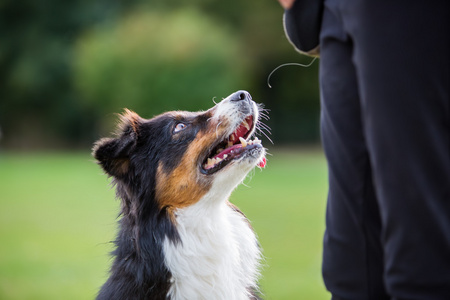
179 236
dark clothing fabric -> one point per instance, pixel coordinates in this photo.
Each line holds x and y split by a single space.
385 122
302 24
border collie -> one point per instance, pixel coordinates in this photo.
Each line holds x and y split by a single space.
179 237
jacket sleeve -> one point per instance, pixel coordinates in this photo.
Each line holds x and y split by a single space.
302 24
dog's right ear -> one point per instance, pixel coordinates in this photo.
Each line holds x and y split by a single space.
113 154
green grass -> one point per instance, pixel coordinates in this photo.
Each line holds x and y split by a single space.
58 214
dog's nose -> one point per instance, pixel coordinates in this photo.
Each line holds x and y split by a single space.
240 95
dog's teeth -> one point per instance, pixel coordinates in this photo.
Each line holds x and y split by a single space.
210 162
232 137
219 150
253 142
243 142
230 143
225 156
246 125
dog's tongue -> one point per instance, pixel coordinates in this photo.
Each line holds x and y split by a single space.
262 163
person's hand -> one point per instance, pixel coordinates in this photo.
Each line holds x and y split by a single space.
286 3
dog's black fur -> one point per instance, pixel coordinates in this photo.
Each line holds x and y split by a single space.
138 271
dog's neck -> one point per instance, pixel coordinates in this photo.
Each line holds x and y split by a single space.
218 256
208 248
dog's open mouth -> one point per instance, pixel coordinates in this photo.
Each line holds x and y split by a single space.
233 147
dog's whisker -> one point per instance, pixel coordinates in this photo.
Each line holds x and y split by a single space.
244 184
262 108
261 125
268 130
264 113
217 129
267 118
268 153
266 136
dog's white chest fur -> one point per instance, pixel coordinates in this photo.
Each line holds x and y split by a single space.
218 256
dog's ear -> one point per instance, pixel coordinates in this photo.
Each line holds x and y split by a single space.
113 154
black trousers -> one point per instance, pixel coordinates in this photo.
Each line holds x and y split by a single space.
385 124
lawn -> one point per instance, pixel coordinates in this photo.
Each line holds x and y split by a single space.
58 216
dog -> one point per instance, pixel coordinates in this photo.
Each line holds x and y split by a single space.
179 237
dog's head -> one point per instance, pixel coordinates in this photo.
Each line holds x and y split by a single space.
177 157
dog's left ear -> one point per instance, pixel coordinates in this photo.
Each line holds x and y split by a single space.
113 154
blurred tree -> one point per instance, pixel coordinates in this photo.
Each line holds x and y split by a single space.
64 65
37 102
157 61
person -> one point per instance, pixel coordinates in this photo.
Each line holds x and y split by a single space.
385 127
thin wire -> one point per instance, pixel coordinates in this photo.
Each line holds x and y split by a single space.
289 64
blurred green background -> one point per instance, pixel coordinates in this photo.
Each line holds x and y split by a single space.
58 218
66 69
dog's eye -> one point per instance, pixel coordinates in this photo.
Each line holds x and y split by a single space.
179 127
